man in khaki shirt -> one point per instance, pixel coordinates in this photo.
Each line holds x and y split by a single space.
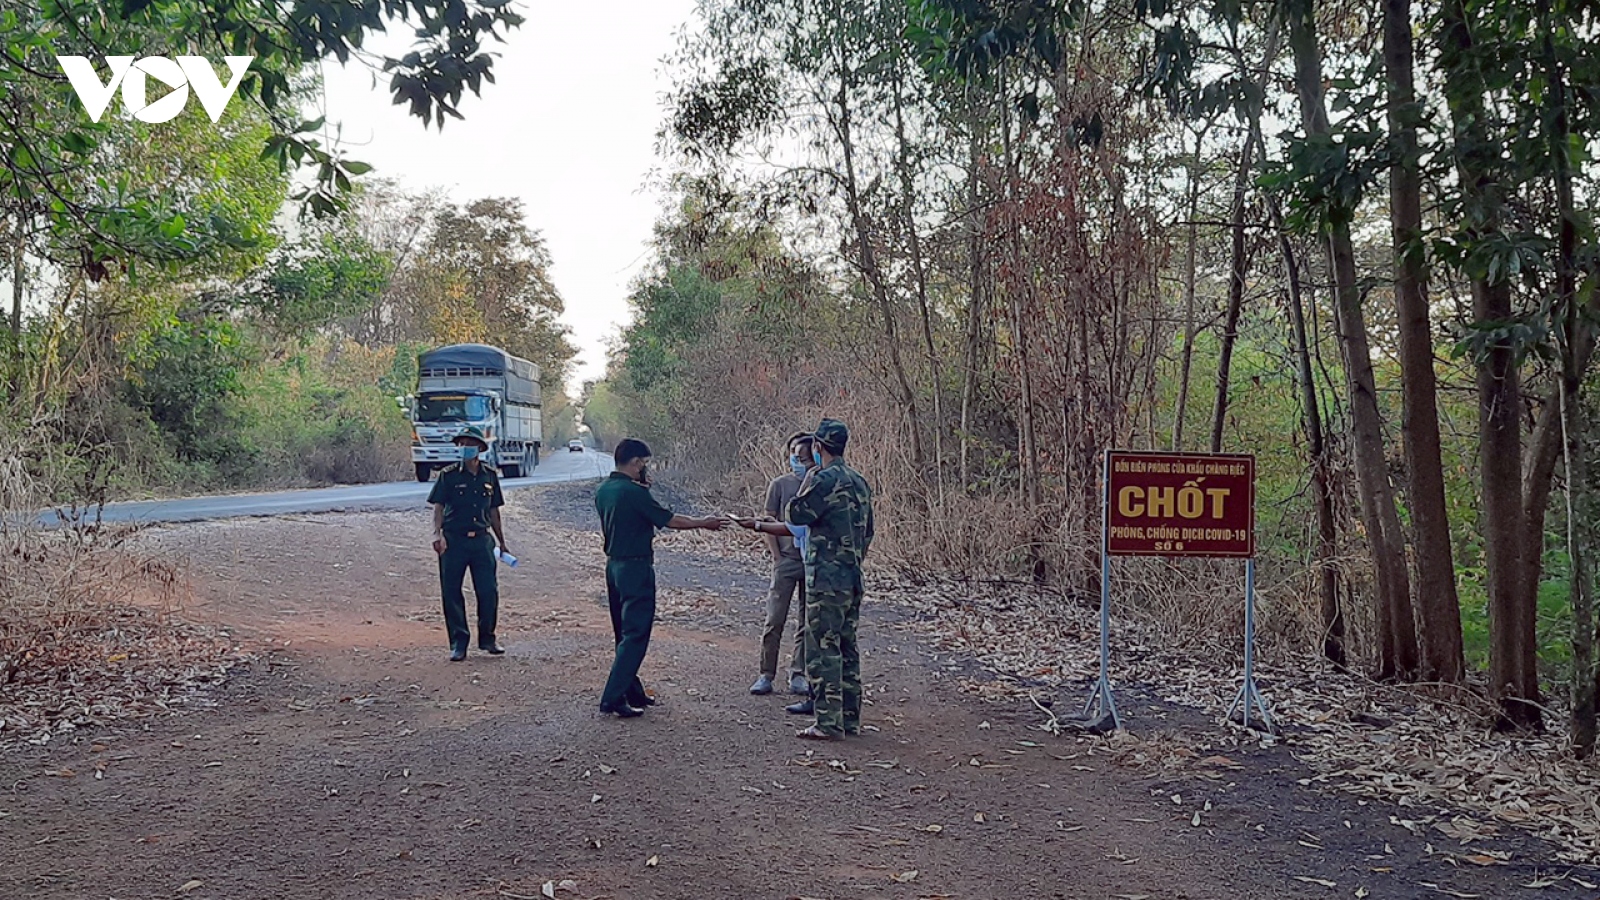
788 578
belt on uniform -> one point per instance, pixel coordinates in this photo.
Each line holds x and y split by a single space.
480 532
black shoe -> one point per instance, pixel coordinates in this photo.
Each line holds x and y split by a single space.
492 649
642 701
803 708
458 654
621 711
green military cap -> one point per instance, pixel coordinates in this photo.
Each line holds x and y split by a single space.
474 433
833 435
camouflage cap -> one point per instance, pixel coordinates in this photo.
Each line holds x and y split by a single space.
833 435
472 433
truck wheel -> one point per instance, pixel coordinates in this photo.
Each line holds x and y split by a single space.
513 471
424 472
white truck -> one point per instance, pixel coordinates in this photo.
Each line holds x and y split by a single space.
475 384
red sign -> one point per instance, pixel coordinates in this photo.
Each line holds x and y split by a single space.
1180 504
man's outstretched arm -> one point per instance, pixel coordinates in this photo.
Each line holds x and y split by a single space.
688 523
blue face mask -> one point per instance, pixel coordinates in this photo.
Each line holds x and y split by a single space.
816 455
469 452
798 466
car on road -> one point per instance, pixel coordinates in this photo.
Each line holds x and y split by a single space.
574 446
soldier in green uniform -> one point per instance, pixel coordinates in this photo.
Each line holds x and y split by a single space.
629 516
466 507
836 504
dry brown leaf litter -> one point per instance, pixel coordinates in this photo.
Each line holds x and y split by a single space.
1433 752
99 643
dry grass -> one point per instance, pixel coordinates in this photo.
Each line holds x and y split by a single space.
88 627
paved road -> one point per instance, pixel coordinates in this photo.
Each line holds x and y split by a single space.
559 465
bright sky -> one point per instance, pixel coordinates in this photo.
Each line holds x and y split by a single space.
568 127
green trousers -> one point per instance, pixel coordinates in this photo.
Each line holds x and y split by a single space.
631 591
833 662
476 555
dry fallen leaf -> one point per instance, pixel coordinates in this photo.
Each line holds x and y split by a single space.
651 862
1463 895
1322 881
190 885
906 877
1407 747
548 889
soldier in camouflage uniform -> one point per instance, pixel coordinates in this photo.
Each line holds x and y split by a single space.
836 504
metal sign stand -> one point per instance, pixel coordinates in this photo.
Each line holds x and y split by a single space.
1179 505
1249 695
1101 710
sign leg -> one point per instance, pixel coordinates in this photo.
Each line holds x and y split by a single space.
1101 710
1249 697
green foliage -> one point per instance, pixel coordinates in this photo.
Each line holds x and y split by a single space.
713 116
673 312
183 375
52 157
971 39
603 413
317 416
320 279
484 275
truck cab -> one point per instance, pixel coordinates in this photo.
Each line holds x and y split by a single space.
438 416
475 385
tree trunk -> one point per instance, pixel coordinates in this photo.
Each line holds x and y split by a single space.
1032 483
1439 608
867 259
1241 253
19 280
1189 266
1333 626
1030 444
1240 256
19 272
974 325
1385 539
1573 334
1578 545
1513 648
919 274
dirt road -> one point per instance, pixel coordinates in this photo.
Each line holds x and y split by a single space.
352 761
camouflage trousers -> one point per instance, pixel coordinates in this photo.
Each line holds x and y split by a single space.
833 663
